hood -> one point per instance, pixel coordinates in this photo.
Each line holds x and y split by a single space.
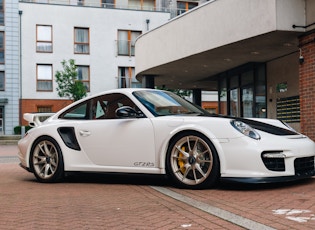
269 128
272 126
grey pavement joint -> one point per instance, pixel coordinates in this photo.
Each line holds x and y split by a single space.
225 215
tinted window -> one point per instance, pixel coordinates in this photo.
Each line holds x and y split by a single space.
77 112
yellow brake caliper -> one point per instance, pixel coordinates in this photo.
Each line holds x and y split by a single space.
181 162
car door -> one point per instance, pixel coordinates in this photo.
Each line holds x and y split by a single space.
110 141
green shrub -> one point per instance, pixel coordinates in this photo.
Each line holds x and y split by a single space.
17 129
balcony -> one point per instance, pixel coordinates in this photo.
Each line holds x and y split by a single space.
109 4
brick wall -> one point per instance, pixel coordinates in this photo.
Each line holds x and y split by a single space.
32 105
307 84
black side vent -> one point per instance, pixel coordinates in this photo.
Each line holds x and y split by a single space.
67 134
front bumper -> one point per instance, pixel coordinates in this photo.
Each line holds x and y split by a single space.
268 160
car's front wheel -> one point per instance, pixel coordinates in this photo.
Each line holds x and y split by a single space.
192 161
46 160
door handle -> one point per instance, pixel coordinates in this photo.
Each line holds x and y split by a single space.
85 133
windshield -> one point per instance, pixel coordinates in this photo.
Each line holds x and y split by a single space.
162 103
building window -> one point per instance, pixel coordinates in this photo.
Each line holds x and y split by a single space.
1 47
76 2
126 78
243 91
1 13
2 81
1 120
182 7
44 38
141 4
108 4
126 42
84 76
44 109
81 41
44 77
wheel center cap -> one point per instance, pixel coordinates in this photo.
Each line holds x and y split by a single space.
191 160
47 160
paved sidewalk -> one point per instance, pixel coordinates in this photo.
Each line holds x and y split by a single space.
94 204
8 150
91 201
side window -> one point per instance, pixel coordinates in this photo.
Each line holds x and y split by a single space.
104 107
79 112
100 108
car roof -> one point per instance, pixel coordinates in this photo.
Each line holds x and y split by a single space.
120 90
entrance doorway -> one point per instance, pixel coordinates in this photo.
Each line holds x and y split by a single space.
243 91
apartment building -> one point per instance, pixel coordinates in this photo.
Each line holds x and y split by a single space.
98 34
37 35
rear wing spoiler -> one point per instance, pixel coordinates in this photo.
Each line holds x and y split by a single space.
36 119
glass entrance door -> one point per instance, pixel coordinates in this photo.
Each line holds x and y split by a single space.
247 102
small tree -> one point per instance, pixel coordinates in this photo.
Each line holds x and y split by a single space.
68 83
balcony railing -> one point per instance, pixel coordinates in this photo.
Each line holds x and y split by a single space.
100 4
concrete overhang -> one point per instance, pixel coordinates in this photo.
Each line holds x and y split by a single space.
191 49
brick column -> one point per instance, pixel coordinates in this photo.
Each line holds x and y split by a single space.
307 84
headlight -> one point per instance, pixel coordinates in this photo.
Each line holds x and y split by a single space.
245 129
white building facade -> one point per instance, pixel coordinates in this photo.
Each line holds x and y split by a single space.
98 35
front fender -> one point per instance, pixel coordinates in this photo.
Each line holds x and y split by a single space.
186 128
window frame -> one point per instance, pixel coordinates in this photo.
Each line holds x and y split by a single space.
44 108
3 83
130 43
2 22
142 4
2 47
187 6
44 41
44 80
79 44
129 80
86 82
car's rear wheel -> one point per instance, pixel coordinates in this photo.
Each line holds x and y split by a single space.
46 160
192 161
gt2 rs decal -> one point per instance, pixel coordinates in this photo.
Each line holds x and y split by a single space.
143 164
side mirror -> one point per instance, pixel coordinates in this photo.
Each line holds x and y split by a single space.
126 112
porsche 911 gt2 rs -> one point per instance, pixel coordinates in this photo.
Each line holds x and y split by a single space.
157 132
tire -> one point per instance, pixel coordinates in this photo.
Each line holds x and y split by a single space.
46 160
192 161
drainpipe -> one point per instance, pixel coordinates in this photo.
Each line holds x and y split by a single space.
20 65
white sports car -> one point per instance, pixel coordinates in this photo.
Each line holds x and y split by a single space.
157 132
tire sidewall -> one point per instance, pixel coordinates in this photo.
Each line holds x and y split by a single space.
59 174
214 175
